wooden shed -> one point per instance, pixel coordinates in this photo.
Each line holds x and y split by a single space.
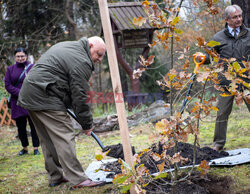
129 35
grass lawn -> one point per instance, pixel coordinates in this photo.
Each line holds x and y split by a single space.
26 174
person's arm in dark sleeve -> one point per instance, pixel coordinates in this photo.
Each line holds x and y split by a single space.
216 48
14 91
207 60
79 88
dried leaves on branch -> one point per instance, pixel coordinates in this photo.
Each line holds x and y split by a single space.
233 80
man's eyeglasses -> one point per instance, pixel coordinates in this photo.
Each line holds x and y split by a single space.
237 16
21 56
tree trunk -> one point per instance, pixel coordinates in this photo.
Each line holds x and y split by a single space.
72 27
135 84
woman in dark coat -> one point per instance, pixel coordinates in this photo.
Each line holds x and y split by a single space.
13 83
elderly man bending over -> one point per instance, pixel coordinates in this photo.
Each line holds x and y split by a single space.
59 81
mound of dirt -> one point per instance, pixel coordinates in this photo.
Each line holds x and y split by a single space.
194 184
186 150
116 151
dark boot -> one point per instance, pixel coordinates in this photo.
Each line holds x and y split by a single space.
22 152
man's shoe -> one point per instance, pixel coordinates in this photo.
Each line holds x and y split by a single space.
22 152
36 152
88 183
64 180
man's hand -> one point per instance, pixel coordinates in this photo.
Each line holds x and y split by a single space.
88 132
199 56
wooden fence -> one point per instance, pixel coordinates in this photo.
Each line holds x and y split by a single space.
5 117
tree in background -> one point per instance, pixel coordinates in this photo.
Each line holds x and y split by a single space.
30 24
38 24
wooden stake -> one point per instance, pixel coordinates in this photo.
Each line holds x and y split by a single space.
115 77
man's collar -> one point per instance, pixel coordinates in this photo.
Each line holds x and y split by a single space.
231 30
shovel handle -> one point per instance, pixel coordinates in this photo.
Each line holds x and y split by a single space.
188 92
198 64
92 133
97 140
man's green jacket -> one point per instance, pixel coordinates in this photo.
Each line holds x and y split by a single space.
59 80
231 47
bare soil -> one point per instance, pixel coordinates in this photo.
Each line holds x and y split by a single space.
116 151
186 150
211 184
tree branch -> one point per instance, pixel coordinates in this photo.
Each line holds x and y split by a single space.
69 15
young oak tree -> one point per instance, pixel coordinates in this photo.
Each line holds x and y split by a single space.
179 126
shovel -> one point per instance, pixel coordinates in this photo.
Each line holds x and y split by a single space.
92 133
197 65
115 151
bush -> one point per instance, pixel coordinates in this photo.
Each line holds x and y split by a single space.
3 92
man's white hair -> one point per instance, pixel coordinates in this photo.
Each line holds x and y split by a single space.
231 9
96 40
